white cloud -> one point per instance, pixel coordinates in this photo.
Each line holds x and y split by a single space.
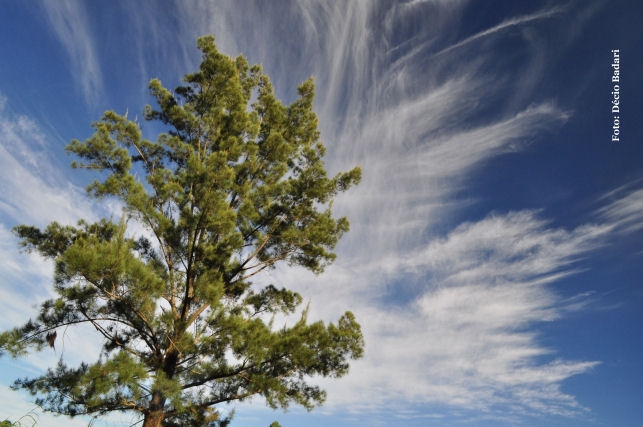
625 210
467 338
18 407
448 320
33 189
512 22
70 23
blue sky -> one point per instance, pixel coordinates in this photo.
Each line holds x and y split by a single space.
495 255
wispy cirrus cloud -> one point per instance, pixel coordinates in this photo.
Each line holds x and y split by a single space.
508 23
69 21
34 191
33 188
449 320
466 336
625 209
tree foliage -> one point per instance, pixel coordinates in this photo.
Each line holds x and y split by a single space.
236 186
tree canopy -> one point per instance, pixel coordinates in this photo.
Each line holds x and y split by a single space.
234 187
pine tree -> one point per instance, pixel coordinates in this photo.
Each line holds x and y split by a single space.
235 187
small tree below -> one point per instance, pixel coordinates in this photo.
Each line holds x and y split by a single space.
235 187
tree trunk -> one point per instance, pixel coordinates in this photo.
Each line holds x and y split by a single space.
153 419
154 416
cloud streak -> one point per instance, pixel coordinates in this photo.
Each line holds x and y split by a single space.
509 23
69 21
34 190
468 338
